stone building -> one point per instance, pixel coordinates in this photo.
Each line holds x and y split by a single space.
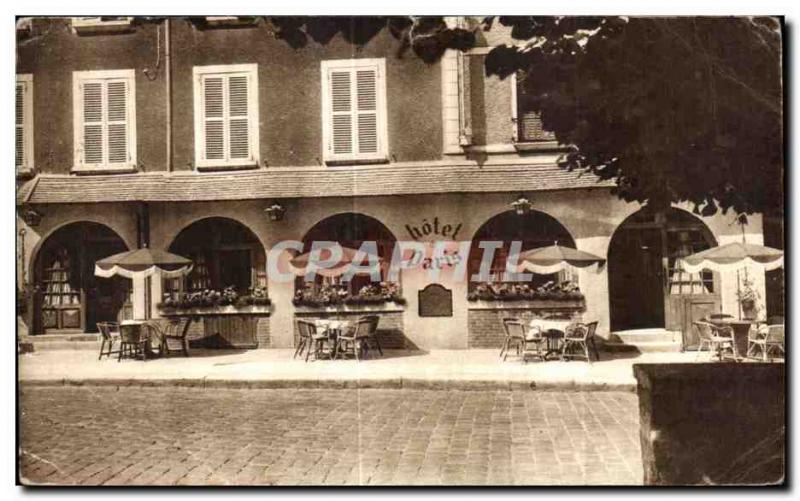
180 135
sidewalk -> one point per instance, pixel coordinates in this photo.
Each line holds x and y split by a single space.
275 368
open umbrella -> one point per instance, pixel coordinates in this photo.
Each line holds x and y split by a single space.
733 256
552 259
143 262
301 262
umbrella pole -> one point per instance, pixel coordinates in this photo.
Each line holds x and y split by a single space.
738 294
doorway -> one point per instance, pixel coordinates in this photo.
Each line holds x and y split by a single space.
68 297
647 287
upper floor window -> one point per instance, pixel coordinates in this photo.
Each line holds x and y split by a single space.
23 158
101 24
528 124
104 111
226 115
354 110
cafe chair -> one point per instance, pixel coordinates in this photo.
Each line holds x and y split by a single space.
768 339
310 339
355 341
715 338
534 343
174 336
133 341
373 333
109 334
515 337
577 339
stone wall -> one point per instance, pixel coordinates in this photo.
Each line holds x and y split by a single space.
712 424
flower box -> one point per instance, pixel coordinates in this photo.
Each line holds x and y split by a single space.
574 304
385 307
253 309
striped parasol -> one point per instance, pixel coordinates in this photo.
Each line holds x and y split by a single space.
143 262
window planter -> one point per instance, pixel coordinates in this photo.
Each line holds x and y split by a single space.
384 307
253 309
528 304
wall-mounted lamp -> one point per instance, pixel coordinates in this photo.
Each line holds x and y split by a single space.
275 212
31 217
521 205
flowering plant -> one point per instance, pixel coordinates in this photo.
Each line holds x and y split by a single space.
335 294
229 296
487 291
748 297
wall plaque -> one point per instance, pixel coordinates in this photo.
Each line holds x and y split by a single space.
435 301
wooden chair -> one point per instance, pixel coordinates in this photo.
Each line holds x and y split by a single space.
767 338
373 333
174 336
515 336
356 339
133 341
714 337
109 334
310 339
577 339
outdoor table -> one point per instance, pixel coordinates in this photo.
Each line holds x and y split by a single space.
134 329
333 328
553 331
741 332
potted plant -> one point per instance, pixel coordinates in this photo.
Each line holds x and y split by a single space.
748 298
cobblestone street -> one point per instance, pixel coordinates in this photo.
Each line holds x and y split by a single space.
188 436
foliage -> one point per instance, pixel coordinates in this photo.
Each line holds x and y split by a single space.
564 291
213 298
333 295
747 293
672 109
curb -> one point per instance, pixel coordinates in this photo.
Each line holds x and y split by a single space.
312 384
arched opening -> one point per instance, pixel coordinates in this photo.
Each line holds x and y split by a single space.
68 297
225 253
533 230
647 288
349 230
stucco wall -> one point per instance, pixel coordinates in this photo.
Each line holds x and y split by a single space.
290 92
590 216
54 53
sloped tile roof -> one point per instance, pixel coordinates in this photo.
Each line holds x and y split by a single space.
309 182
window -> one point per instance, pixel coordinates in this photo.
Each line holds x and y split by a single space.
527 123
226 115
104 120
23 158
354 110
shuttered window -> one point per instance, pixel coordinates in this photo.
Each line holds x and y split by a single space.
23 119
354 110
226 115
105 121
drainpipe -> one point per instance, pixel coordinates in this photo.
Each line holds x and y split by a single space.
168 85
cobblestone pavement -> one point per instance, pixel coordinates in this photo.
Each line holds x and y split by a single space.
189 436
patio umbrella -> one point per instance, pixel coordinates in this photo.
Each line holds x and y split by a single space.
143 262
300 263
732 257
552 259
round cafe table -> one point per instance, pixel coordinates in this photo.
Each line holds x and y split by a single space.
741 333
553 330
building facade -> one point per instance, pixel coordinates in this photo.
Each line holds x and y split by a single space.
217 140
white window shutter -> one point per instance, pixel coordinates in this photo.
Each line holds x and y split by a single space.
341 135
214 117
93 123
19 137
367 111
238 117
117 121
